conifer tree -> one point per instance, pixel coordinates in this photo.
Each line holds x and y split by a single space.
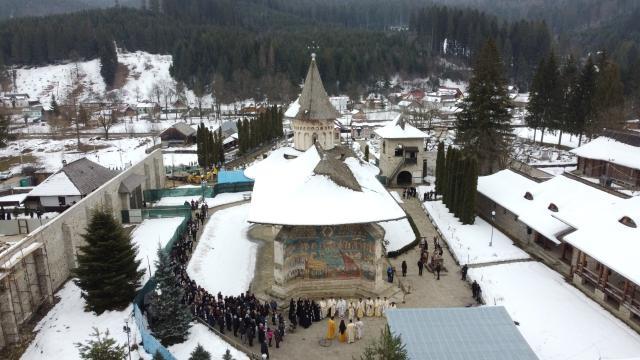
535 106
54 106
386 347
440 168
583 100
483 125
107 269
101 348
471 194
227 355
171 317
220 147
4 130
545 102
446 183
199 353
108 62
608 97
366 153
569 79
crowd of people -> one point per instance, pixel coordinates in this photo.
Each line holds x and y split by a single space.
244 316
350 314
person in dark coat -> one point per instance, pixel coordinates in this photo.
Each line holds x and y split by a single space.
464 270
438 268
420 266
474 289
251 333
264 349
404 268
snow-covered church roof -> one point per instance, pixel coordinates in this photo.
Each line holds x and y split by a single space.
400 129
318 188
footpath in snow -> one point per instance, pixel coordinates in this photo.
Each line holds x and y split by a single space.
556 319
470 243
224 260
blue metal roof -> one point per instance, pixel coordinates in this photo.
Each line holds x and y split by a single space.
476 333
235 176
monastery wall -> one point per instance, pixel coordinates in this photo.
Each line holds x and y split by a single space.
34 268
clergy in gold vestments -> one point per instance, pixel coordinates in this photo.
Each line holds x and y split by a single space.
351 332
331 329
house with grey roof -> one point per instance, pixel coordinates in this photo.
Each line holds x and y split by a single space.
64 188
179 134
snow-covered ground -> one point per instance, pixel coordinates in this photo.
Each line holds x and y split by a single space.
148 236
117 154
176 159
220 199
396 196
568 140
224 248
226 198
43 82
398 233
67 323
470 243
557 320
199 334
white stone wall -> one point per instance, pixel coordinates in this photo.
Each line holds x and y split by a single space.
304 133
60 239
389 162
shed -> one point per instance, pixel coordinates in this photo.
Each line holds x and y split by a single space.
179 133
473 333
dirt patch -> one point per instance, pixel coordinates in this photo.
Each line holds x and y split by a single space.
122 72
7 162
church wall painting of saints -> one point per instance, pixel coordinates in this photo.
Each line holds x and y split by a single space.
329 252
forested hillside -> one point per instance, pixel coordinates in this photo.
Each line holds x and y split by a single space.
248 43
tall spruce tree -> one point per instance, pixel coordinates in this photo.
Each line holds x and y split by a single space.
545 102
446 183
569 79
468 214
108 62
171 317
107 271
608 97
199 353
4 130
583 100
483 125
440 168
366 153
535 106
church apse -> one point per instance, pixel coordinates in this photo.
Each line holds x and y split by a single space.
328 252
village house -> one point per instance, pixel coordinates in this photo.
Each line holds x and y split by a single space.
178 134
69 185
15 101
148 108
584 232
613 158
403 155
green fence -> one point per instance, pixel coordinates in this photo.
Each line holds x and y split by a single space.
154 195
154 213
149 342
157 194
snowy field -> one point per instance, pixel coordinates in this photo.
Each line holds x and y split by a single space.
470 243
67 323
557 320
398 233
224 248
173 159
48 153
148 236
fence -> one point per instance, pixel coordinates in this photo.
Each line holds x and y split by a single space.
209 191
150 344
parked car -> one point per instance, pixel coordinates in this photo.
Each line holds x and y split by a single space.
4 175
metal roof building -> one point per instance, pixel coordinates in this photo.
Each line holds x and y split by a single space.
475 333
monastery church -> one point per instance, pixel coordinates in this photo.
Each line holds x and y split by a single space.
323 205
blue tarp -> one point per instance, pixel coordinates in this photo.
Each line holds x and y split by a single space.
230 177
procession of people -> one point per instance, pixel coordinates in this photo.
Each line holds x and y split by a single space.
350 314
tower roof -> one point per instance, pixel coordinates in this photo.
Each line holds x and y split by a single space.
314 101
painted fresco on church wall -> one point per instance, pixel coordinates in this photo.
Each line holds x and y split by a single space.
330 252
